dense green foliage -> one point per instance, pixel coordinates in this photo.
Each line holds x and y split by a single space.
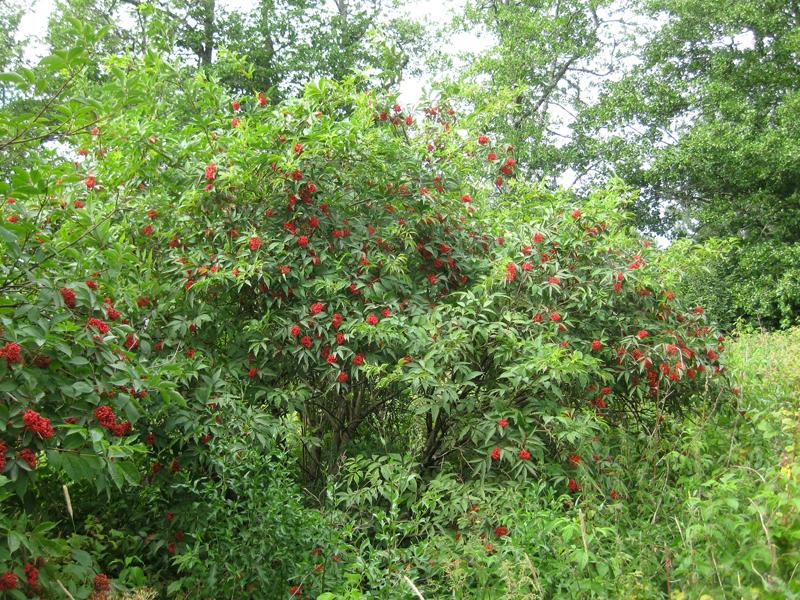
263 339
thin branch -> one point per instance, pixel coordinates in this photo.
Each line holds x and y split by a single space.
413 587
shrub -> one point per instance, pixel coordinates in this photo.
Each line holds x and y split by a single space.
305 276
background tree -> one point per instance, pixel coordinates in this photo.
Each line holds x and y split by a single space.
10 46
705 126
543 62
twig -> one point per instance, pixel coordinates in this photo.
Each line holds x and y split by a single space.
69 503
667 569
773 555
413 587
63 589
533 572
582 523
716 571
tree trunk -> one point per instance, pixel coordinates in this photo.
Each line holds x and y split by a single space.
207 46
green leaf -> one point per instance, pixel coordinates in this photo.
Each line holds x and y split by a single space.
14 540
14 78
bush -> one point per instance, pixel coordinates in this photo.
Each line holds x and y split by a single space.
213 276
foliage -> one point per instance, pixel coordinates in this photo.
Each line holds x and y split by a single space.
753 283
704 126
222 269
10 47
693 103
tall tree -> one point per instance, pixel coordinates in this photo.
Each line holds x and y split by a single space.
704 124
285 42
10 46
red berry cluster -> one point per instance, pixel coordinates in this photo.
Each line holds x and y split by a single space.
105 415
12 352
37 424
8 581
68 294
28 456
32 575
101 583
98 324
